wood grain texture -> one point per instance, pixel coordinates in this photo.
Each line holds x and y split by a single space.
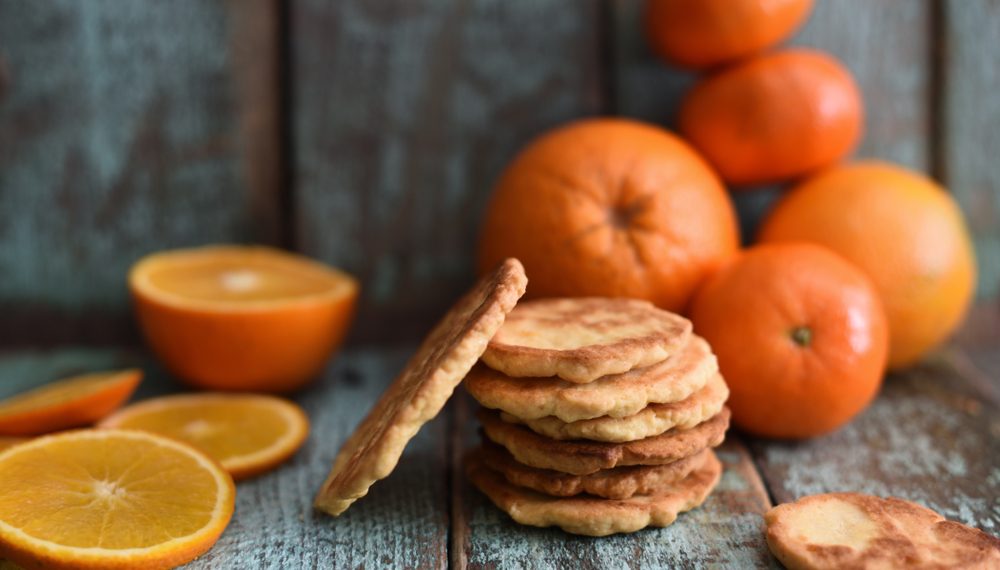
970 114
930 437
884 44
404 115
725 532
125 128
403 523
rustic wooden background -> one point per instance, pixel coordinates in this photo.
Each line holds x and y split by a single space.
367 133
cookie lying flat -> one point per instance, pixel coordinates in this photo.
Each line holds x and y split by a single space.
617 483
593 516
582 339
652 420
617 395
850 530
421 390
581 457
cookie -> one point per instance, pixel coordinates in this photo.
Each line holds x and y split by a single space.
617 483
851 530
583 339
581 457
652 420
594 516
423 387
617 395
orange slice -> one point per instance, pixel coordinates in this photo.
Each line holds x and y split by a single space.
72 402
242 318
6 442
247 434
111 499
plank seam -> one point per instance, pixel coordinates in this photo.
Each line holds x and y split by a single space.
936 92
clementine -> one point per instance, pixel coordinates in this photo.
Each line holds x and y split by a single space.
704 33
610 207
801 338
774 117
242 318
901 228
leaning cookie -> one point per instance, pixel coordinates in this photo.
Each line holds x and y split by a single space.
851 530
593 516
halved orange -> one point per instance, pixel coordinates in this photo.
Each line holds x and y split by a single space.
71 402
110 499
247 434
242 318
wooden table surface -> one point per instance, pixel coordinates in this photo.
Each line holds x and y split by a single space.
932 436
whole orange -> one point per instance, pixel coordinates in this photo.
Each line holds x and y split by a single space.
242 318
774 117
704 33
610 207
902 229
801 338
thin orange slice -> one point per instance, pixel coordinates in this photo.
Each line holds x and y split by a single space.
110 499
242 318
247 434
68 403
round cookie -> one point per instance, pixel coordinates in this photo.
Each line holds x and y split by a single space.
652 420
594 516
581 457
617 483
422 388
851 530
617 395
582 339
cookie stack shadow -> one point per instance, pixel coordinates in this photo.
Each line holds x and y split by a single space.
598 416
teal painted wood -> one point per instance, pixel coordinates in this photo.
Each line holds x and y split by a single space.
403 116
725 532
127 128
970 114
403 523
884 44
932 436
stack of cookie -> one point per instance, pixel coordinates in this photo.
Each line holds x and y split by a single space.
599 416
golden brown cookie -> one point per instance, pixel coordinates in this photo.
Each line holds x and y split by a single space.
851 530
594 516
617 395
423 387
582 339
617 483
652 420
581 457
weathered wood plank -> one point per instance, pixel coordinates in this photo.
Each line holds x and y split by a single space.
885 45
126 128
404 115
724 533
930 437
403 523
970 113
